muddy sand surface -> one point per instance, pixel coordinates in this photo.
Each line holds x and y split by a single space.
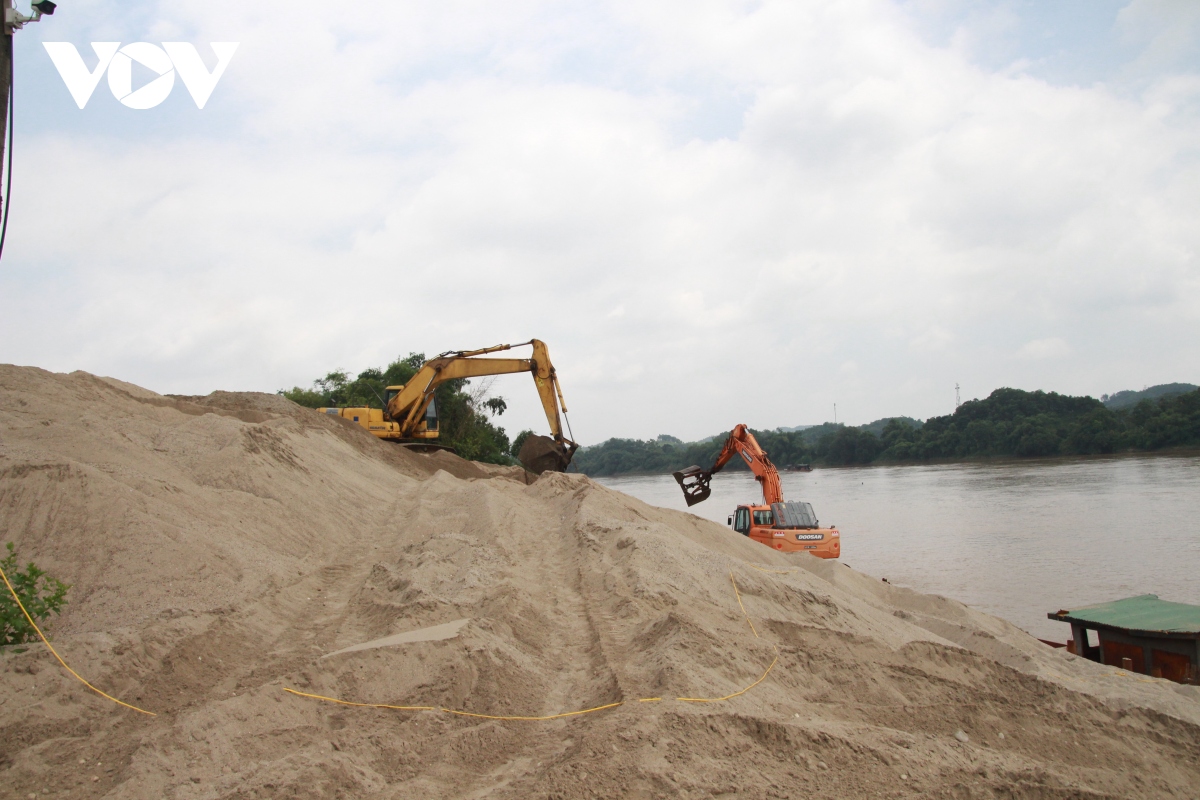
222 549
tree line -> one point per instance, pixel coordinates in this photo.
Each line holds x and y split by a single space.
465 416
1008 423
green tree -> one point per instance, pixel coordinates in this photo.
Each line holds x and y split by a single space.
519 441
1097 432
41 594
898 440
849 446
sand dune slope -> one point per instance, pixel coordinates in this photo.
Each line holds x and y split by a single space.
222 549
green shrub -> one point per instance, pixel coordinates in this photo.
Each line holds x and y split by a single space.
41 595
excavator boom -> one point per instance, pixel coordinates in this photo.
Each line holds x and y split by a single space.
408 405
695 481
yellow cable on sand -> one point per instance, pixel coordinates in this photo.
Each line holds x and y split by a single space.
772 571
533 719
446 710
360 705
735 694
732 580
761 678
46 641
751 686
739 599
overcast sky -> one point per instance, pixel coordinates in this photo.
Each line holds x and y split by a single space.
712 212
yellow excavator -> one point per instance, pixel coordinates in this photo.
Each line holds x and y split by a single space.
410 415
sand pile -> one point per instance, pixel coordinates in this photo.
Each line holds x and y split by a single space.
222 549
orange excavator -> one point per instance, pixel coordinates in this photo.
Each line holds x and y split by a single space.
789 526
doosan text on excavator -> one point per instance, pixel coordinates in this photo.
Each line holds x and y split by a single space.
790 526
410 415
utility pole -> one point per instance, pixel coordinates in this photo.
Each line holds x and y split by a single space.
13 21
5 86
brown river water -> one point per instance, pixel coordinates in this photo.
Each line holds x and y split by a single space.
1017 539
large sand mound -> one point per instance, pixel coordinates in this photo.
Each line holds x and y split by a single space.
223 548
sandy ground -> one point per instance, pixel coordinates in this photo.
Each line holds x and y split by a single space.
224 548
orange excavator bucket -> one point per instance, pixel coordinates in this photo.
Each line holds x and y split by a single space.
694 482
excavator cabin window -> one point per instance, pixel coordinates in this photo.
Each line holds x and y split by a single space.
741 521
391 392
764 518
431 417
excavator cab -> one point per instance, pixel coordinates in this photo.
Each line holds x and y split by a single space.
789 526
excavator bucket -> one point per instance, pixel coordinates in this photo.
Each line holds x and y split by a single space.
694 482
542 454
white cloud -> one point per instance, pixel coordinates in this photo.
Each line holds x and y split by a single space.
932 338
1045 348
435 177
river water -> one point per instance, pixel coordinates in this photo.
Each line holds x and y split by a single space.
1017 539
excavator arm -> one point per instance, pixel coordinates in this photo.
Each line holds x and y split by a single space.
407 405
741 442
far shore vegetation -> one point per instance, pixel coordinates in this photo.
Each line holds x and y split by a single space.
1009 423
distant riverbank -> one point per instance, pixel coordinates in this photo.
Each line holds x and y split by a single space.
734 466
1009 423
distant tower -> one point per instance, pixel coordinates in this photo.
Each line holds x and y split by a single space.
957 400
835 413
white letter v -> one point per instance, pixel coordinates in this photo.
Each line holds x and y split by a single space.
80 83
196 77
